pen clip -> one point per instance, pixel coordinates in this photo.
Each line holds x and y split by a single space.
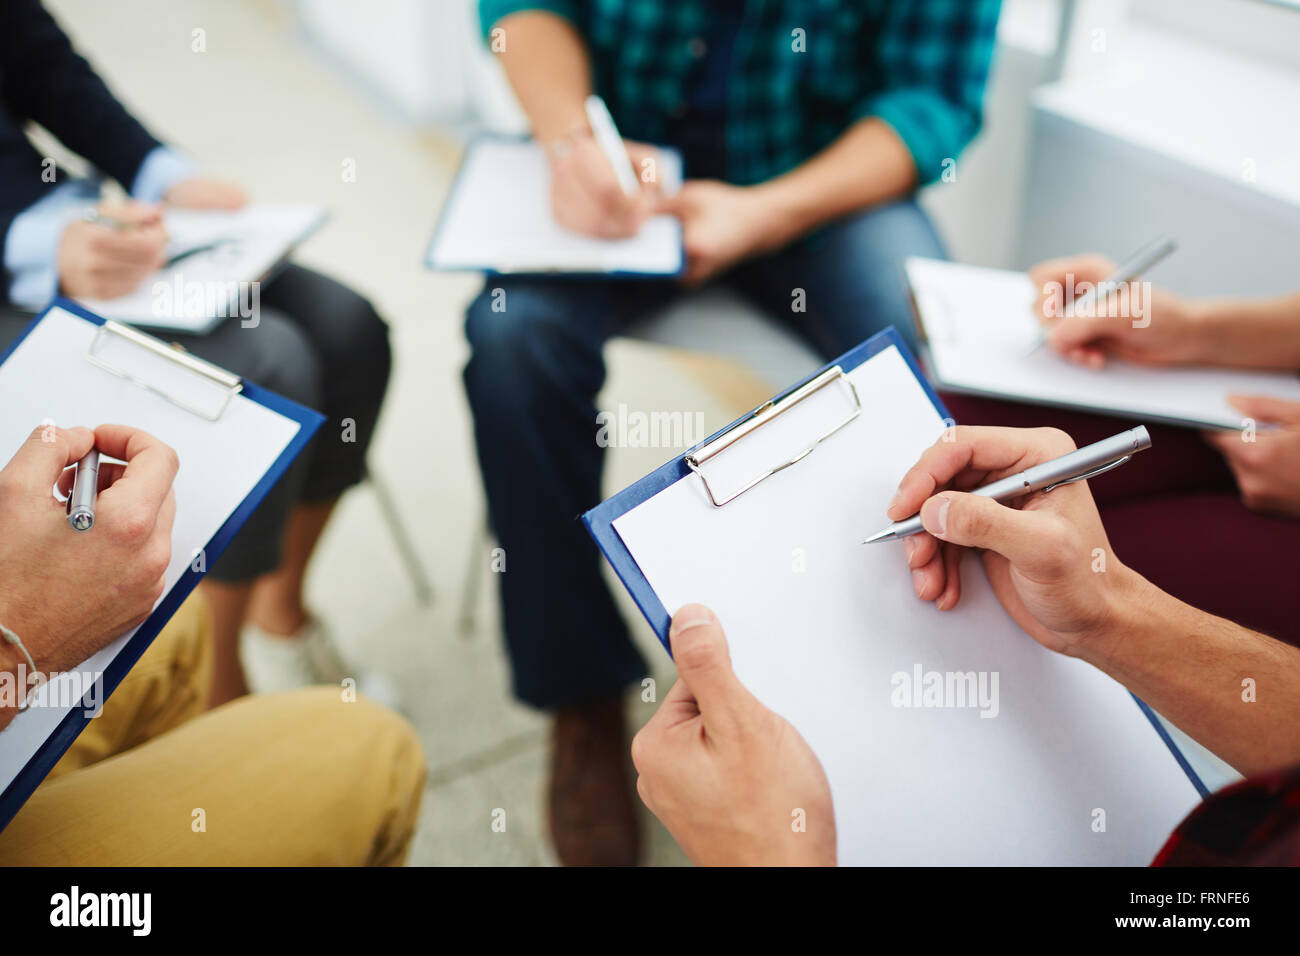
1100 470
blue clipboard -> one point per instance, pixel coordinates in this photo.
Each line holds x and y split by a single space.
488 269
600 520
34 772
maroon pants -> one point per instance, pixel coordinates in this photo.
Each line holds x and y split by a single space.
1173 514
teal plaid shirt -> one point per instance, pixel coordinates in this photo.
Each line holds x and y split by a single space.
802 71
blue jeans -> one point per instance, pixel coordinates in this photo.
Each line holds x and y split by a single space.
532 382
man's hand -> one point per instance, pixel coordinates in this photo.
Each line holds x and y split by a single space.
1166 332
721 225
202 193
1046 554
1267 469
730 779
101 261
585 193
68 594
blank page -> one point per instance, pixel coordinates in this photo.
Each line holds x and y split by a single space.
820 626
981 330
498 219
47 379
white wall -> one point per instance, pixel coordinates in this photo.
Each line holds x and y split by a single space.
420 58
1158 128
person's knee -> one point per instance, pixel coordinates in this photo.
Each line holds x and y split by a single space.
509 333
867 253
283 360
493 329
355 337
380 752
364 730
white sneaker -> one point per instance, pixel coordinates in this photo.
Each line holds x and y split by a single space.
380 689
273 662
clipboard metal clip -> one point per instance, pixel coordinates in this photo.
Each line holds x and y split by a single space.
229 384
760 417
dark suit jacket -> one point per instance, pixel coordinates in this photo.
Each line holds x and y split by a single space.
44 80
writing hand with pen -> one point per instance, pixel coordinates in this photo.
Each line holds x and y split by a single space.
118 245
723 772
66 594
1177 330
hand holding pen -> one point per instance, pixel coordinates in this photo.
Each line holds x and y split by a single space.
1047 558
1170 331
111 250
1093 309
595 186
123 560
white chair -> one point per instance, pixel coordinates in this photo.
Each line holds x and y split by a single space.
712 322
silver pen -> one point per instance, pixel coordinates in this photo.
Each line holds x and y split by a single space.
85 486
1142 261
1078 465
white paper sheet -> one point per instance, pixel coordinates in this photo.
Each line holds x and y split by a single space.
981 330
47 379
819 625
201 289
499 218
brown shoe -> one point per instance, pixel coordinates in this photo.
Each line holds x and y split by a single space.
592 810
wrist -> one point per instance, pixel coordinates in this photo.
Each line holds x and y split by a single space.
559 137
1132 608
15 672
778 214
1201 330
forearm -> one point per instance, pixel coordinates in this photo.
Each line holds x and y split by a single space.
866 166
1235 691
547 64
1259 333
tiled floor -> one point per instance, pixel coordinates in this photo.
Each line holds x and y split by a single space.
258 107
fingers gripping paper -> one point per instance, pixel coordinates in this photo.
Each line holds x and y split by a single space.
948 738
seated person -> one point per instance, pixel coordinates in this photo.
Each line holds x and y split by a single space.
298 778
316 341
723 772
805 131
1242 486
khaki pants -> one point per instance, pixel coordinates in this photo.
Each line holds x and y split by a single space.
296 779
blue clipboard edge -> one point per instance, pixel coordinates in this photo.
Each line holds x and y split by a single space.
428 262
599 521
26 781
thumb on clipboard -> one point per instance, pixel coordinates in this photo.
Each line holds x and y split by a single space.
732 781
